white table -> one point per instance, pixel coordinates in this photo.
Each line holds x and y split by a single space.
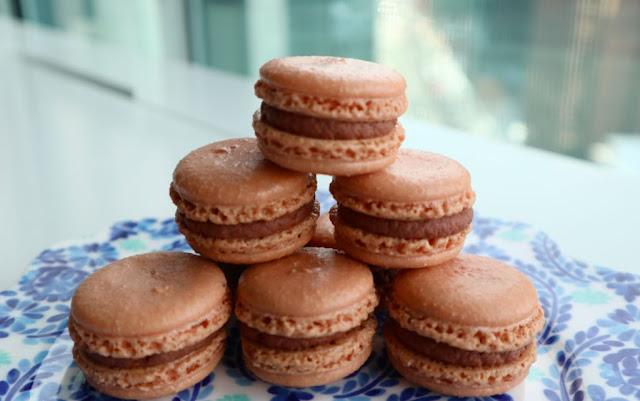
76 157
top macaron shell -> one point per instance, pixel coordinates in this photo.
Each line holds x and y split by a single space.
415 176
333 77
490 293
234 172
471 302
310 284
313 292
149 294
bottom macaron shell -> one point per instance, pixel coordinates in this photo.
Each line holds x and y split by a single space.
323 156
329 167
373 252
311 379
457 380
453 389
249 251
157 381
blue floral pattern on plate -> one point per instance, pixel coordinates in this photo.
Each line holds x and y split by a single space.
589 347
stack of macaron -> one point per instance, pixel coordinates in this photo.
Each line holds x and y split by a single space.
307 286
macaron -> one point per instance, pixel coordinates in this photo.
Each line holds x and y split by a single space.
414 213
306 319
235 206
465 328
150 325
329 115
383 280
323 236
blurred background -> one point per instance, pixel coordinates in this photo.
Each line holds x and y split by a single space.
557 75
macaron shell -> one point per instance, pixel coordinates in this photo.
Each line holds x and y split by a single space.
321 156
318 359
405 210
312 379
396 252
333 77
398 262
141 346
457 380
310 282
328 167
236 214
460 391
149 294
161 380
492 293
233 173
311 293
472 338
247 251
416 176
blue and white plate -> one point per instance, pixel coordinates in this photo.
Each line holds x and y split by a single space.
589 348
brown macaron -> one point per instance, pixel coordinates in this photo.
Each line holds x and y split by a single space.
323 237
465 328
306 319
329 115
234 206
383 279
150 325
413 213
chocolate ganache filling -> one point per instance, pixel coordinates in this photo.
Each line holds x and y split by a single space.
323 128
151 360
407 229
293 344
445 353
253 230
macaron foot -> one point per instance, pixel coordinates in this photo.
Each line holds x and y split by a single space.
256 250
450 387
311 379
144 391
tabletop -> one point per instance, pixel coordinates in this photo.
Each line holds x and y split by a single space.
90 135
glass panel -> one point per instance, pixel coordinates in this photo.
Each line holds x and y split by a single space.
148 27
338 28
225 34
562 76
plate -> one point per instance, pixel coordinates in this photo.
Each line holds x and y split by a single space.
589 347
